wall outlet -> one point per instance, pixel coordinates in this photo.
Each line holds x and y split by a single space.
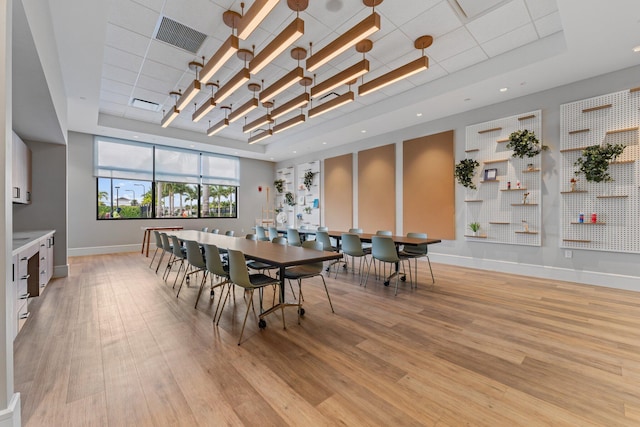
568 254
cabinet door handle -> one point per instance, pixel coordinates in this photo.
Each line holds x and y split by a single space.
25 315
24 258
25 277
16 192
25 296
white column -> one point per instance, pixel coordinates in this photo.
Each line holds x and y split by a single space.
399 188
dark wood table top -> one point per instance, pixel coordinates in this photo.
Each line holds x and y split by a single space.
399 240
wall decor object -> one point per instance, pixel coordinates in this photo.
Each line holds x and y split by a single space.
507 203
600 174
465 171
308 190
285 212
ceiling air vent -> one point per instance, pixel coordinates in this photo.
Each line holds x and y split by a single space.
145 105
178 35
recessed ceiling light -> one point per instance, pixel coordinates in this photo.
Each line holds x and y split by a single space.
363 131
235 152
324 143
271 158
136 136
419 115
294 152
191 146
636 49
504 89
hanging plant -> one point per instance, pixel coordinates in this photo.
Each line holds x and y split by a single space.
525 144
465 169
308 179
289 199
279 184
594 161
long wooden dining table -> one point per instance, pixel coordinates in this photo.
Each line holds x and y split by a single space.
281 256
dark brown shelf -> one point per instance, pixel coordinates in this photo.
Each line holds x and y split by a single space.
512 189
609 132
531 116
491 180
576 240
499 223
574 191
573 132
482 236
500 141
488 162
524 204
531 170
588 223
472 150
526 232
600 107
622 162
622 196
473 201
489 130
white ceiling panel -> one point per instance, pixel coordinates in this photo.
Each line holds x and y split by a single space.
161 72
115 109
133 16
149 83
549 24
400 14
540 8
122 59
499 21
437 21
170 55
119 74
392 46
474 8
434 72
464 60
516 38
126 40
114 97
451 44
153 96
116 87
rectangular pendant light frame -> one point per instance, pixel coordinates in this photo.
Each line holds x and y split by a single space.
393 76
222 55
278 45
170 116
218 127
341 78
297 102
236 81
294 121
330 105
243 110
284 83
260 136
359 32
188 95
260 121
254 16
204 109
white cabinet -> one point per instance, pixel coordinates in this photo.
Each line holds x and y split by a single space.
21 178
45 264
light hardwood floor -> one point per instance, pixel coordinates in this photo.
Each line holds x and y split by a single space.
111 345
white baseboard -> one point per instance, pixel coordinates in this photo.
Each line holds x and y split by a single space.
10 417
101 250
60 271
609 280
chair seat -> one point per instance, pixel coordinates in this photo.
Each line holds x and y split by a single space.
300 271
259 280
258 265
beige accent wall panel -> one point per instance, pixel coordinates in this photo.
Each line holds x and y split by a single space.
376 189
338 192
428 186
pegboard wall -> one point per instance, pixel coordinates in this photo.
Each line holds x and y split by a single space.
308 199
500 206
288 175
612 118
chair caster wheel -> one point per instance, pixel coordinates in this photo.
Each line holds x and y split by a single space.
262 324
187 280
301 311
213 294
386 283
327 269
403 278
344 267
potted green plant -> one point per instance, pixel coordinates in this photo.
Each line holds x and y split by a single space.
289 199
524 143
594 161
465 169
475 227
279 184
308 179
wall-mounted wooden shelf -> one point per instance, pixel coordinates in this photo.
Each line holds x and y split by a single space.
500 141
622 196
588 223
491 180
513 189
573 132
634 89
472 150
488 162
566 150
622 162
526 232
600 107
499 223
576 240
531 170
481 236
610 132
473 201
531 116
524 204
489 130
574 191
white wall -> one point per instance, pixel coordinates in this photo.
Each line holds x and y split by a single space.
88 236
593 267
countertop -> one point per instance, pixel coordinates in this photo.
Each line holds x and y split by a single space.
24 239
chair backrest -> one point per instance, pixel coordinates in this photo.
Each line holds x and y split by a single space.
177 247
293 237
323 237
251 237
156 233
384 233
313 244
273 233
416 249
322 228
205 229
194 255
351 244
166 246
355 230
229 233
213 262
238 269
384 249
279 240
215 231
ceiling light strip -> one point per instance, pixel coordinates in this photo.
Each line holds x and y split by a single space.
330 105
393 76
260 121
341 78
361 31
297 102
232 85
243 110
254 16
218 127
260 136
170 116
278 45
188 95
226 51
204 109
284 83
289 123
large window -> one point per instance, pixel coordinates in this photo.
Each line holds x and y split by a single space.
137 180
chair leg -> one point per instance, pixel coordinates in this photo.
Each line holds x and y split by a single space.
204 280
160 261
433 280
368 270
245 317
327 291
154 257
397 277
299 300
223 304
178 273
